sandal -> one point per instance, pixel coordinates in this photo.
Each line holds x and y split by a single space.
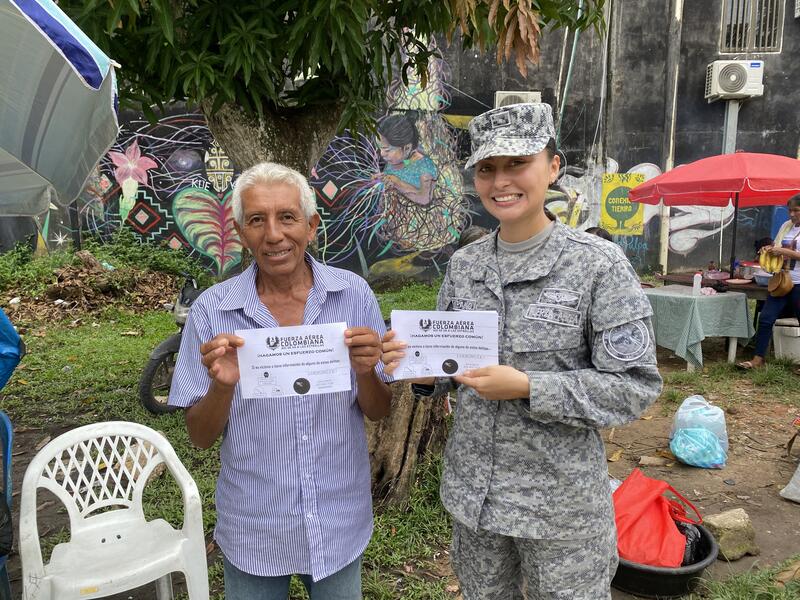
747 365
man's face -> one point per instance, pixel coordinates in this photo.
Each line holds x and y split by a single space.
274 228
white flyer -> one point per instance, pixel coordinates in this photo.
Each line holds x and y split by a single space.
289 361
445 343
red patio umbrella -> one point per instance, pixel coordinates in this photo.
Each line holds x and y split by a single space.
747 178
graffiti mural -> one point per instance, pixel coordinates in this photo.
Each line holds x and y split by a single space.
395 202
575 199
167 182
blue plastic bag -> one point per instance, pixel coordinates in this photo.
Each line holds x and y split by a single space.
698 447
697 412
699 436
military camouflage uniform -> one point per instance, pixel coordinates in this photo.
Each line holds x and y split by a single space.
526 480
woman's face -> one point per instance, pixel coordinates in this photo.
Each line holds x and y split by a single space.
512 188
794 214
394 155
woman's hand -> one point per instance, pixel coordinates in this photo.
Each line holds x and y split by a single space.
498 382
392 351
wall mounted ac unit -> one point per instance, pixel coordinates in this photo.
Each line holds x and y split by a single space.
506 97
734 79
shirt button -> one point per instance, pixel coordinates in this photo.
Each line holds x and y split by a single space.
305 437
308 475
310 515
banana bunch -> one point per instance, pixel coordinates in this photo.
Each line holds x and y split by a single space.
770 263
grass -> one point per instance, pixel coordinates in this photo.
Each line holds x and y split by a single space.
416 296
753 585
77 375
19 269
724 384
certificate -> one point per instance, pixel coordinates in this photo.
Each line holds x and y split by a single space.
445 343
289 361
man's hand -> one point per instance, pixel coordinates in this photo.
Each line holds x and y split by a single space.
498 382
364 345
219 358
391 352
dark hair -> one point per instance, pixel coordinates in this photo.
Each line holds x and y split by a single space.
761 242
470 234
550 148
399 130
794 201
600 232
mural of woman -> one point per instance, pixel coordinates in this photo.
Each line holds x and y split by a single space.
407 170
420 212
395 202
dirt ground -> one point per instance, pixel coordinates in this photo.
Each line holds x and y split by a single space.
757 469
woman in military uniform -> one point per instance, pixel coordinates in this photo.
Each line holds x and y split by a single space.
525 474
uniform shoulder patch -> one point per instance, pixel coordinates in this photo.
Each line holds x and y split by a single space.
627 342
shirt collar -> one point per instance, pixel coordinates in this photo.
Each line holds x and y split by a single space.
539 266
242 293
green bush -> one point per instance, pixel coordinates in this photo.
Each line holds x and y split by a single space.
20 269
125 250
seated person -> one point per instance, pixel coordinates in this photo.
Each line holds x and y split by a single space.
786 246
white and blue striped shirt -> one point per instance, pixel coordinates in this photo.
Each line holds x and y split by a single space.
293 493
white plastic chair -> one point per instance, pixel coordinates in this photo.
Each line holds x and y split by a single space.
99 472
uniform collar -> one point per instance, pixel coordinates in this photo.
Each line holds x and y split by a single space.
533 267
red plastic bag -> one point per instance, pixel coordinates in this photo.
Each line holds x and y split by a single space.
646 530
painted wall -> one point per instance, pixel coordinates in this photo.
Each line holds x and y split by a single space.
392 207
616 108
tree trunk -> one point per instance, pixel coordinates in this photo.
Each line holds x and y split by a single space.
296 137
414 428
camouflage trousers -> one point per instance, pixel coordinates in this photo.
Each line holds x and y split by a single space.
491 566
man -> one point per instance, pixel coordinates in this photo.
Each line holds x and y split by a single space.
293 493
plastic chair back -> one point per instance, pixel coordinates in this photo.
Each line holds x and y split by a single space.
103 466
99 473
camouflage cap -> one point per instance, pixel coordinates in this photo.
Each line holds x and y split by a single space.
514 130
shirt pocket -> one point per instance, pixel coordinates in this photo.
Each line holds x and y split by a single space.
543 346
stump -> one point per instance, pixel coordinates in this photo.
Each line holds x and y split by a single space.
415 427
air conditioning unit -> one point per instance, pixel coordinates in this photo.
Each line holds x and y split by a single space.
506 97
734 79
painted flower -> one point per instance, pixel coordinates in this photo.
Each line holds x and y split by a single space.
131 165
130 172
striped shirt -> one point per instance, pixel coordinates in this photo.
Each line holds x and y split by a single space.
293 492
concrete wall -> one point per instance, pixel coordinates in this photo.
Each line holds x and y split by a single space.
616 118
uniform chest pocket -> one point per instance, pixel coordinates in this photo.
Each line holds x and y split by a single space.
543 328
536 336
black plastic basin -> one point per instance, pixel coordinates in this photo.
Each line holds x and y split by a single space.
663 582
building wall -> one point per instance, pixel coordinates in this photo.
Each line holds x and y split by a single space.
616 119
